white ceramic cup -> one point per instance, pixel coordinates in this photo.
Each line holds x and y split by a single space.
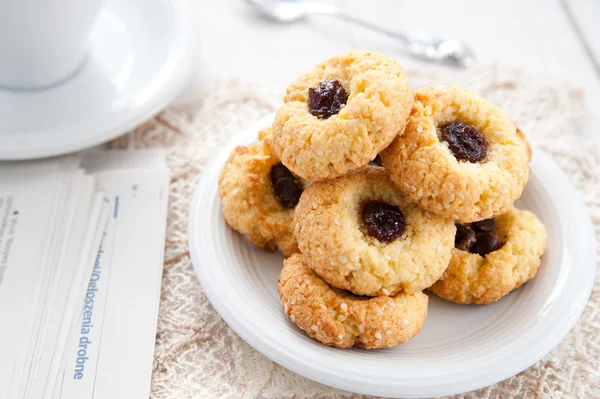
43 42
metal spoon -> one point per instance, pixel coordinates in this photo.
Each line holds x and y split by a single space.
451 52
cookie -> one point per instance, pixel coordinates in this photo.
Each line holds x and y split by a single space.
341 114
338 318
483 270
258 196
459 157
523 137
359 233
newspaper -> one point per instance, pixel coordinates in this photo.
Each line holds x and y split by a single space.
81 254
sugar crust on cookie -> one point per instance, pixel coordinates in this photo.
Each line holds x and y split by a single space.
247 199
424 168
471 278
380 100
340 319
329 230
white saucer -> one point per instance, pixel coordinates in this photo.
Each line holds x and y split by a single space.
140 56
460 348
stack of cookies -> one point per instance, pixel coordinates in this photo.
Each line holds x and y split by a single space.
375 194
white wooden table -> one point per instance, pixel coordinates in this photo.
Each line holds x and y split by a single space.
559 39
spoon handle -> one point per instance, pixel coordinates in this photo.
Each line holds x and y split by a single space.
376 28
330 9
428 49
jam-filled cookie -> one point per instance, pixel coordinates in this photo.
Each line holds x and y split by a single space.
338 318
493 257
459 157
259 194
341 114
359 233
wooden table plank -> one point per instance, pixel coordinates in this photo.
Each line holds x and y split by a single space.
586 17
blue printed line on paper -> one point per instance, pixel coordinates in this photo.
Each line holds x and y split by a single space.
116 212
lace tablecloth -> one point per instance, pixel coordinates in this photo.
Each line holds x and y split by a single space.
199 356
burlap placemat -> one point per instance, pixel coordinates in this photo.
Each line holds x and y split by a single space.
199 356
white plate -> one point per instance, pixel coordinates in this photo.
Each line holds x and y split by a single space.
139 58
461 348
